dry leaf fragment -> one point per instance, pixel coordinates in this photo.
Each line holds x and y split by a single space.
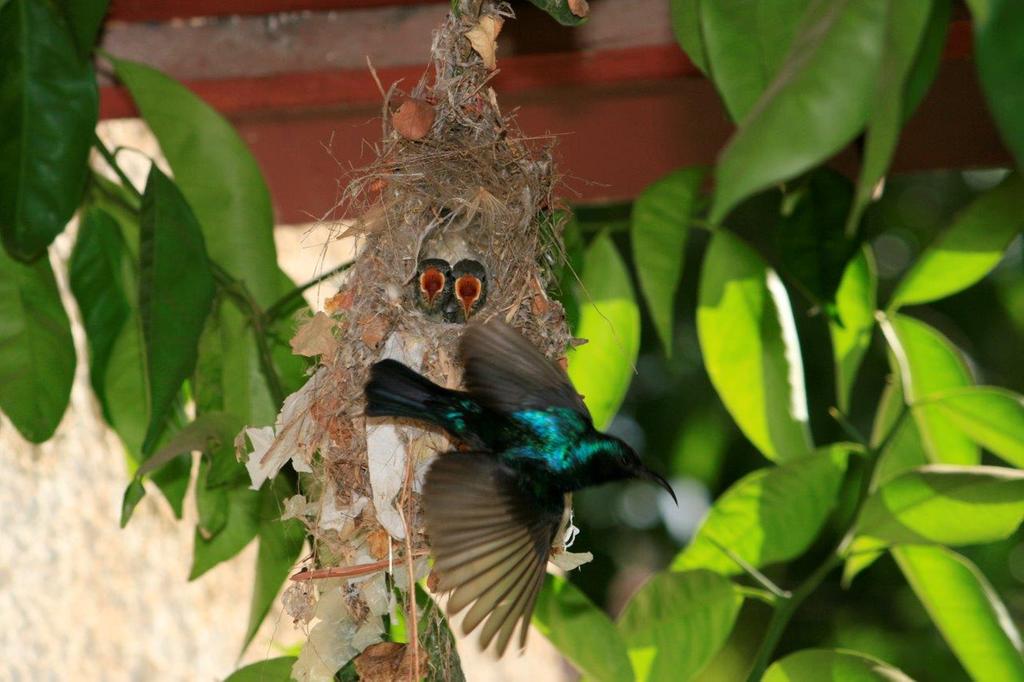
483 37
413 119
378 542
342 300
374 331
384 662
580 8
314 337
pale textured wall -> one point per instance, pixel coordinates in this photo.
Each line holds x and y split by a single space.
81 599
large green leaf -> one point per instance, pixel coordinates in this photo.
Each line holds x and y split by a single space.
573 624
769 515
48 105
103 278
660 225
930 364
832 665
946 505
559 11
676 623
84 17
269 670
746 43
280 545
819 101
685 16
602 368
99 275
929 56
229 518
968 249
1000 56
751 350
37 355
965 609
217 174
856 298
907 24
992 417
175 294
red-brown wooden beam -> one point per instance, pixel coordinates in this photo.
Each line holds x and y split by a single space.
164 10
326 89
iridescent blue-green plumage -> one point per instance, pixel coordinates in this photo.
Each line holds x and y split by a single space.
493 514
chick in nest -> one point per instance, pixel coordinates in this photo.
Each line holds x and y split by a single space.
434 286
470 290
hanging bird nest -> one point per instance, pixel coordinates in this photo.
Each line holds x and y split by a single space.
453 178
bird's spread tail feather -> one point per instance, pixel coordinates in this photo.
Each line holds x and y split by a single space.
395 390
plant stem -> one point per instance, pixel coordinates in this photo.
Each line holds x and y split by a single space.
111 160
785 607
239 293
277 308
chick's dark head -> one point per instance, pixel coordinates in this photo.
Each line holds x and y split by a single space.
470 286
434 284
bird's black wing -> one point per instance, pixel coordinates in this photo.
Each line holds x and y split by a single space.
490 539
507 373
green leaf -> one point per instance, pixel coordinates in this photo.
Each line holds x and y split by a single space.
768 516
945 505
968 249
269 670
929 56
175 294
239 522
906 28
660 225
685 16
37 355
209 431
965 609
815 250
602 368
1000 56
746 43
100 274
930 364
819 101
751 350
84 17
856 299
573 624
676 622
218 176
48 105
280 545
559 11
992 417
133 494
835 665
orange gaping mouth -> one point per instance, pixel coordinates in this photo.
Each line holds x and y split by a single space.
467 288
431 284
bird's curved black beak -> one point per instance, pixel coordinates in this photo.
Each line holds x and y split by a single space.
649 475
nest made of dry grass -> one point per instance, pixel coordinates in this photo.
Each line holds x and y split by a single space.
472 186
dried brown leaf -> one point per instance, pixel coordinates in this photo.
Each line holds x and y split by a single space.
483 37
378 542
374 330
384 662
314 337
413 119
340 301
580 8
